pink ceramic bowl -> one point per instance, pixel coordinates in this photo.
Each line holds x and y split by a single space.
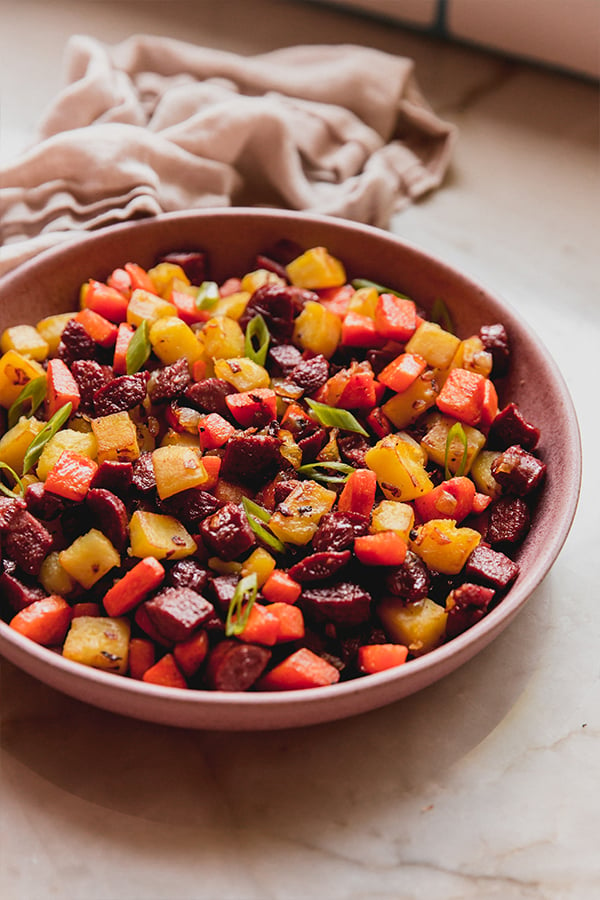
50 284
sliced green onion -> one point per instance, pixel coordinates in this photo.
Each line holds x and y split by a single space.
241 605
29 400
208 295
18 483
332 417
257 333
359 283
34 451
320 471
457 431
139 348
256 515
440 314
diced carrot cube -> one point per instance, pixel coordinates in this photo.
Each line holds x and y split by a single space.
303 669
212 465
99 329
256 407
44 621
214 431
71 475
462 396
62 387
379 657
124 334
384 548
141 657
360 331
395 317
291 621
402 372
261 627
130 590
280 588
358 494
139 278
189 655
165 672
106 301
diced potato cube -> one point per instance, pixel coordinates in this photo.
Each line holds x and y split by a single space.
164 537
243 373
164 275
316 269
174 438
420 625
398 465
116 438
364 301
177 469
434 344
473 356
89 558
261 563
391 515
54 578
14 444
434 443
172 339
317 329
144 305
80 442
443 547
481 473
296 520
232 306
16 371
259 277
51 329
404 408
100 642
25 339
223 338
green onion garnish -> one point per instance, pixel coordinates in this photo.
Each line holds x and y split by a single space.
139 348
320 471
241 604
18 483
256 515
257 340
34 451
457 431
331 417
29 400
440 314
359 283
208 295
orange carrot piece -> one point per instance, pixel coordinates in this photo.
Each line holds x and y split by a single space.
124 334
214 431
139 278
261 628
99 329
360 331
395 317
85 609
303 669
462 396
489 406
141 657
119 280
71 475
165 672
212 464
199 370
130 590
402 372
189 655
280 588
358 494
291 621
62 387
44 621
106 301
452 499
379 657
246 406
336 299
385 548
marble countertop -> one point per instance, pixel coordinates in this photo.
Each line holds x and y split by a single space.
485 785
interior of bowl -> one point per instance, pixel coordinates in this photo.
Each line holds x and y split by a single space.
232 238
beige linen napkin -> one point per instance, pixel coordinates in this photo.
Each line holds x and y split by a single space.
156 125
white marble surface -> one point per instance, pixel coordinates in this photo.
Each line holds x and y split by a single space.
484 785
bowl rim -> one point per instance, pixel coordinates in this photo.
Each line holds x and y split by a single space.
45 663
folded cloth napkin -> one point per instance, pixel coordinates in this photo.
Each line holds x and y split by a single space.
155 125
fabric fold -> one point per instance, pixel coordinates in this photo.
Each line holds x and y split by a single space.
156 125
